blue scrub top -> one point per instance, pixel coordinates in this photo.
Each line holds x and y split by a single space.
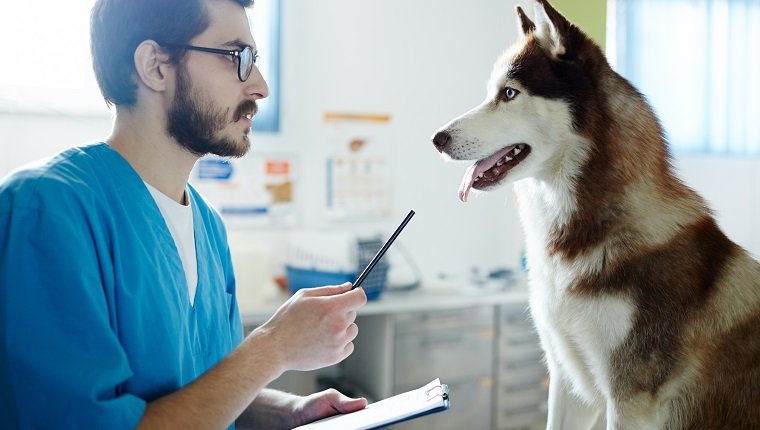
95 318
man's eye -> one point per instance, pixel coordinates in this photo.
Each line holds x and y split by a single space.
510 93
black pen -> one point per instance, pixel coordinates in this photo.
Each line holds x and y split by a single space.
382 250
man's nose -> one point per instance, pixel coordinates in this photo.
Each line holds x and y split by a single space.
441 140
256 86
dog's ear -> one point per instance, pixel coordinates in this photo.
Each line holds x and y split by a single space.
552 29
524 23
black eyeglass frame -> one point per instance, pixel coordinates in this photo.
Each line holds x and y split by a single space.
243 75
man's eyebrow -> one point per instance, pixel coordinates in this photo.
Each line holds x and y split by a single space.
237 42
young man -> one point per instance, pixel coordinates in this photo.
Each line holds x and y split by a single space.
117 297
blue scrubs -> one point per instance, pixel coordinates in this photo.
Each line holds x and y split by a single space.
95 318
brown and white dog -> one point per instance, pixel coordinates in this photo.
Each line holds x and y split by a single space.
648 314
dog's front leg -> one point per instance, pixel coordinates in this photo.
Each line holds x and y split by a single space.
567 411
640 411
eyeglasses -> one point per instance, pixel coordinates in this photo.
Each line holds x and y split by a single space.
246 58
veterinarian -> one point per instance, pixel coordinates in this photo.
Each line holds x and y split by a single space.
117 296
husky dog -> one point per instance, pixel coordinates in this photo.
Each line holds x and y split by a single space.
648 314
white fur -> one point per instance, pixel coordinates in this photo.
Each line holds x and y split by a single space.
578 335
580 332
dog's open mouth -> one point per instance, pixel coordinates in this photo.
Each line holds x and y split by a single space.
489 171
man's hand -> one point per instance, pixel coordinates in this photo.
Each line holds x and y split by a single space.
315 328
275 409
324 404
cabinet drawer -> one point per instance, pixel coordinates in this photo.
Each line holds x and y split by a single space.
521 355
445 354
519 396
519 418
518 334
535 374
515 316
446 319
470 409
520 350
520 406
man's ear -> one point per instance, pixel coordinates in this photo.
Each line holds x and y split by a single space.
552 29
152 65
524 24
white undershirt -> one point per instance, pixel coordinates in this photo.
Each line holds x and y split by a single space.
179 219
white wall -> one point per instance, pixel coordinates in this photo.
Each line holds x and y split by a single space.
423 62
407 59
25 138
731 186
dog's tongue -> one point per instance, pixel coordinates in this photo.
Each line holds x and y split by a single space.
467 181
476 169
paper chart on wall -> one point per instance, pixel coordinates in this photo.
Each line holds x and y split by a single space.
359 170
255 191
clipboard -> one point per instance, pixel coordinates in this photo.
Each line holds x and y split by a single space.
428 399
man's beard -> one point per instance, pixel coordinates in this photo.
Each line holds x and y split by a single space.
194 122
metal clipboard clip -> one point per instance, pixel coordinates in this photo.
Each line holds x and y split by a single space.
439 390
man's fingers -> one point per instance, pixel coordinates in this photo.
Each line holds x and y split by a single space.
352 331
340 295
329 290
351 315
348 350
352 299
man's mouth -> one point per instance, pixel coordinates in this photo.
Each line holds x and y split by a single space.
246 111
246 118
489 171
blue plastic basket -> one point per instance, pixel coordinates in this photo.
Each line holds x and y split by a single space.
309 278
374 284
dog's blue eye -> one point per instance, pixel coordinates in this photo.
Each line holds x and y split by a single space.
510 93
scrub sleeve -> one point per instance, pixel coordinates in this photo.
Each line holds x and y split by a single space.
55 329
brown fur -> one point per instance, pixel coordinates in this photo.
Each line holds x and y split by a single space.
671 284
693 349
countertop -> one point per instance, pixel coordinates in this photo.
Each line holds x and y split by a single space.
420 299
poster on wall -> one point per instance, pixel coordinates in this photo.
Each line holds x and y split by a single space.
359 171
254 191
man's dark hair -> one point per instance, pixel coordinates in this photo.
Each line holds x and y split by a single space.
117 27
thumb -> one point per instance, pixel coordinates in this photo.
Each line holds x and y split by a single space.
346 404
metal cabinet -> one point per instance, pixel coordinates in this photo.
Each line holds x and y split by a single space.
488 354
458 347
401 352
520 394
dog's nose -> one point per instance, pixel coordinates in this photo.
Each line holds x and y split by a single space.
441 140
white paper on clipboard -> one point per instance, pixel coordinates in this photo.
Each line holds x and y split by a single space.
431 398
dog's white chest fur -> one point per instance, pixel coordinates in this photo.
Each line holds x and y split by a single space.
578 333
